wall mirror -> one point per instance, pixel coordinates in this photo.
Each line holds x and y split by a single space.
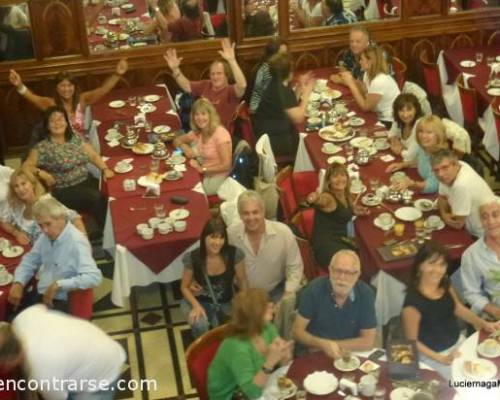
468 5
124 24
306 14
16 42
260 17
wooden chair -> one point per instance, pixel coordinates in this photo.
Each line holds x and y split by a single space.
81 302
200 354
311 269
468 98
304 221
286 194
494 39
339 55
304 183
399 71
306 61
462 41
430 71
242 125
496 112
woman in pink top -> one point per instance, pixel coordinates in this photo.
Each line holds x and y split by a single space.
208 145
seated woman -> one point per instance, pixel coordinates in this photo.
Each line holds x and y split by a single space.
431 137
263 75
378 90
68 94
334 211
403 138
211 268
335 13
306 12
431 310
163 12
208 145
259 24
279 110
251 351
60 161
18 220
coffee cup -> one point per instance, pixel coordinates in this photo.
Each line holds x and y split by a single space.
3 273
433 221
385 219
367 385
382 191
147 233
328 147
140 228
164 228
154 222
180 226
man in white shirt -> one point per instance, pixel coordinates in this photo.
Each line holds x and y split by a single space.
272 257
72 357
461 192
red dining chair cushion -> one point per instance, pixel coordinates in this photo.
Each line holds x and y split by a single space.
431 75
311 269
308 222
213 200
304 183
81 303
468 100
286 194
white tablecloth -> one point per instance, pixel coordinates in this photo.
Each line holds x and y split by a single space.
490 139
389 298
451 97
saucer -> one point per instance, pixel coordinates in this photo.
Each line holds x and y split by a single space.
438 227
357 121
123 167
147 108
352 365
494 91
467 63
8 279
371 200
12 252
179 213
378 224
330 150
151 98
161 129
360 190
116 104
176 159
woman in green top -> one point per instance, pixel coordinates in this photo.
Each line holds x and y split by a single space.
252 350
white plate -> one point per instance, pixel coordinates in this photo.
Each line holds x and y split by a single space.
122 168
173 175
485 369
114 21
381 144
151 98
424 205
356 121
362 190
336 159
467 63
371 200
12 252
402 393
101 31
331 150
438 227
8 279
117 104
286 394
332 93
176 160
143 148
314 97
144 181
378 224
498 58
113 134
179 213
161 129
494 91
334 138
361 142
408 214
350 366
148 108
320 383
489 354
313 121
127 6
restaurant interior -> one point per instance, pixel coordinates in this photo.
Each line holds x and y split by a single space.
89 37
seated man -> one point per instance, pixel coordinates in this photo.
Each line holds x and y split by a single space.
223 96
461 191
67 357
336 14
480 268
272 257
337 312
66 257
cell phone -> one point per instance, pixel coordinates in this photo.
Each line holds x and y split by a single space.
376 354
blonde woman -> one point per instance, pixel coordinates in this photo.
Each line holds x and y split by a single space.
208 145
378 90
24 190
431 137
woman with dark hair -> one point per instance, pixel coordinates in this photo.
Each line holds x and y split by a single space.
251 351
68 94
259 24
60 161
335 14
264 76
333 212
431 310
211 268
406 112
279 110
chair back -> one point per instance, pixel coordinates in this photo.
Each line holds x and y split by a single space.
461 41
304 183
267 161
468 98
431 75
200 354
311 270
286 194
241 125
399 71
496 112
304 221
81 302
494 39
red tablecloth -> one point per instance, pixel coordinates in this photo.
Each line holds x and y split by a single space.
305 365
159 252
481 71
114 187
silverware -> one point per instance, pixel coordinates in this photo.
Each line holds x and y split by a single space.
137 208
453 246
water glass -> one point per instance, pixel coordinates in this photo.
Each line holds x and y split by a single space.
155 165
490 61
148 128
301 395
379 393
160 211
374 184
132 101
349 150
479 57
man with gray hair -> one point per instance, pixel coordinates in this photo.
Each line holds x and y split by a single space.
337 312
461 191
272 256
66 257
480 268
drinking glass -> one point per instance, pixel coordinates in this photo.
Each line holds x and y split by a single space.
379 393
132 101
160 210
349 150
399 229
374 184
490 61
479 57
301 395
155 165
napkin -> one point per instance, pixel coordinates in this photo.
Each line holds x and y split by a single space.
379 124
171 111
127 160
104 158
351 114
113 143
198 188
180 168
466 78
96 122
387 158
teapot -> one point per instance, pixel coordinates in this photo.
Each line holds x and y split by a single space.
394 196
362 157
160 150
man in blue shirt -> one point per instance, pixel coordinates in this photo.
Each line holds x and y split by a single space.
337 312
66 257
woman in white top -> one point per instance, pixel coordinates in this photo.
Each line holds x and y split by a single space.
307 12
378 90
406 111
25 189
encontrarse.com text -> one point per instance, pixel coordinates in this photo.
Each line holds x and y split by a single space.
80 385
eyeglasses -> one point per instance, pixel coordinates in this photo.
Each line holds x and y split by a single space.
338 272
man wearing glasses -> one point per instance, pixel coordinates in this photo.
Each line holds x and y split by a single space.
337 312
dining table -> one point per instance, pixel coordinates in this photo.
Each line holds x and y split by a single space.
390 277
